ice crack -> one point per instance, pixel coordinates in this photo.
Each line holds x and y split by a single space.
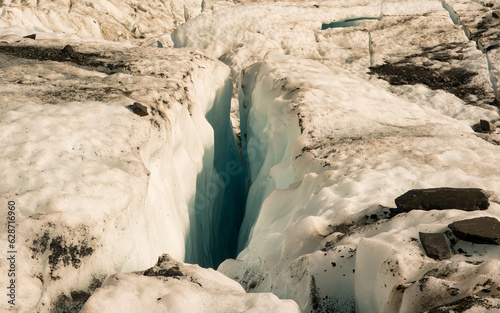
348 22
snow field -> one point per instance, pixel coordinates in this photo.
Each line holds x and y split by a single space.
113 20
110 192
359 148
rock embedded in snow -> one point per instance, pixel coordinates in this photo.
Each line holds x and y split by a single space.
139 109
482 230
487 126
467 199
162 268
435 245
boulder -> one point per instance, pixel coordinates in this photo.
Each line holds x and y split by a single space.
482 230
435 245
467 199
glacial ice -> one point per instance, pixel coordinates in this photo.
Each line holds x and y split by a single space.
335 124
101 189
102 19
370 148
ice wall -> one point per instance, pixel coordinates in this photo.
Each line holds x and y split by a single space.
269 128
220 194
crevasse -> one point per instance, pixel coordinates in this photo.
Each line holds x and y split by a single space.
215 217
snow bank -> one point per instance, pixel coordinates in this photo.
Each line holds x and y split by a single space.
324 151
179 287
98 188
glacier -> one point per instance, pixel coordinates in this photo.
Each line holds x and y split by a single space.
107 193
245 156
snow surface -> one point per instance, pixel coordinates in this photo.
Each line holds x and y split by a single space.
346 149
101 189
342 105
196 290
104 19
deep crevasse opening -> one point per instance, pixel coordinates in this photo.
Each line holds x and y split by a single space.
218 209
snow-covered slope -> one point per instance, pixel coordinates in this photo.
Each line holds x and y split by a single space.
100 189
324 151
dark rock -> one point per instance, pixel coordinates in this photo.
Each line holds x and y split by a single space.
487 126
496 14
149 272
32 36
171 272
69 50
467 199
435 245
482 230
139 109
80 295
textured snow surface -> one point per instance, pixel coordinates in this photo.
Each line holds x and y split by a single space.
339 108
195 289
99 188
325 149
107 19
